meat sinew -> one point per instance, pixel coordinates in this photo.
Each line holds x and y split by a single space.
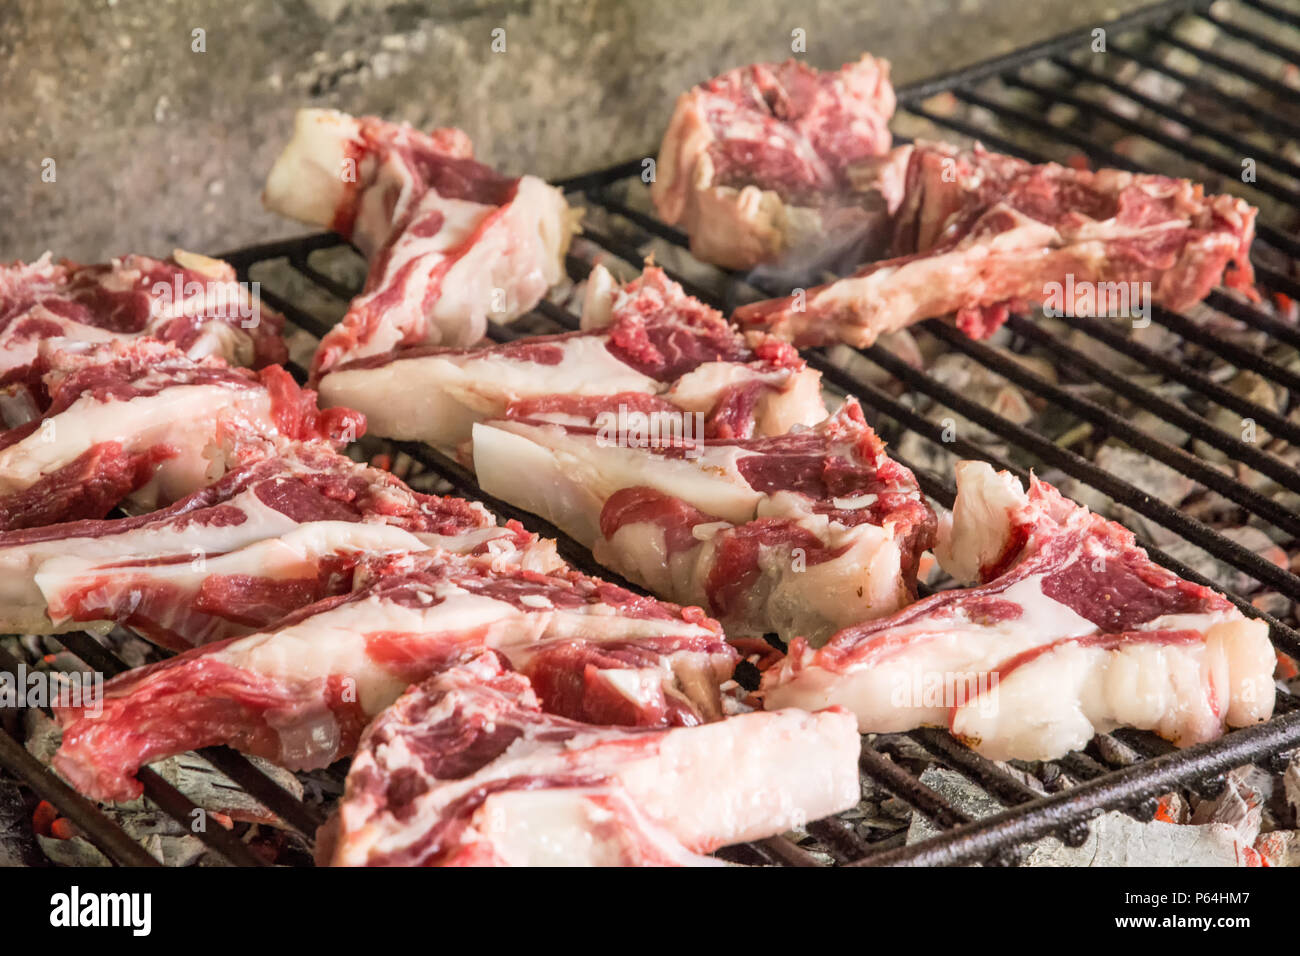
798 534
645 346
467 769
140 423
1072 631
451 243
300 693
191 301
241 554
975 233
756 161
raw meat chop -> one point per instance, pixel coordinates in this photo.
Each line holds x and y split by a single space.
976 233
300 693
647 346
190 300
240 554
467 769
139 423
799 534
1071 631
756 162
451 243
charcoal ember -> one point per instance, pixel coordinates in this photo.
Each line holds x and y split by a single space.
1150 476
169 850
1031 780
1257 541
1254 388
1279 848
920 452
212 790
894 808
973 381
1116 839
134 651
18 845
1115 751
901 344
1146 529
961 793
1291 784
872 823
77 851
1239 806
1153 84
1155 337
1157 426
1173 808
184 850
43 734
165 839
1267 783
1221 574
1270 602
1084 494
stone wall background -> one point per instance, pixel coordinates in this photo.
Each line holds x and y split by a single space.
156 145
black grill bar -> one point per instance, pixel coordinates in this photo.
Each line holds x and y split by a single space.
1289 54
1153 768
1173 370
1267 121
1116 426
1209 160
89 819
180 808
1156 13
976 841
1253 317
1277 13
889 774
1229 66
1192 424
1183 118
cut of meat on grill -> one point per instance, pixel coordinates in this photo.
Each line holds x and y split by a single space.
190 300
140 424
300 693
799 534
1072 631
976 233
648 349
240 554
756 161
451 243
468 769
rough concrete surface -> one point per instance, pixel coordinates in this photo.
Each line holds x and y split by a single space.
156 144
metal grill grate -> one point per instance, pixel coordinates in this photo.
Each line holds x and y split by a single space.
1014 104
